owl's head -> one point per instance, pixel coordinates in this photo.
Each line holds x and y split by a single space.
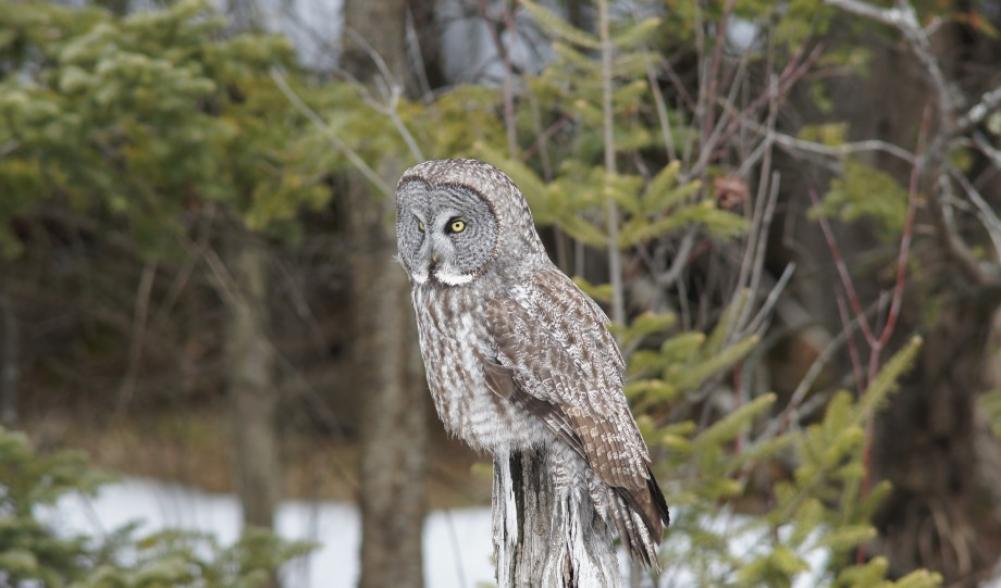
457 219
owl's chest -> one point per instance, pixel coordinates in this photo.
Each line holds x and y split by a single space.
454 342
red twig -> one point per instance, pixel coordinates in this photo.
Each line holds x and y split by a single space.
876 346
905 239
843 273
876 343
853 351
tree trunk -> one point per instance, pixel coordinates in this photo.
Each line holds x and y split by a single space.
250 381
541 539
394 435
8 362
943 460
390 377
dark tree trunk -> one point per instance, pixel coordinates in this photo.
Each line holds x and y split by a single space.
944 462
390 377
394 427
250 380
9 341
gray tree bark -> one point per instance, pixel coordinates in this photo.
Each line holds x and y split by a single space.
390 377
250 381
545 538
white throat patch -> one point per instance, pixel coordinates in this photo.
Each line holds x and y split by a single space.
451 279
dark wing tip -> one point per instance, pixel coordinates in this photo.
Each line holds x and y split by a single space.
659 502
652 513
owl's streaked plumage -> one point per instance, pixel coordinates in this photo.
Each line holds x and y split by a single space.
516 355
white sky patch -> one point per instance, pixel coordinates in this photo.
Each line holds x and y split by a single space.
741 33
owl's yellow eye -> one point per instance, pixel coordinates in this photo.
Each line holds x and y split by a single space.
420 226
457 225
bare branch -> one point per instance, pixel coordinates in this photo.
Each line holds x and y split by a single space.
508 83
904 19
139 321
680 262
757 324
989 102
957 249
662 116
895 17
336 141
992 153
987 216
813 372
612 211
842 269
905 247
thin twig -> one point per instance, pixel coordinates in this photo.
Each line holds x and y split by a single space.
612 211
139 321
842 269
712 78
757 323
988 103
905 20
945 223
789 413
992 153
386 82
336 141
854 357
666 279
798 66
988 218
508 82
835 151
662 115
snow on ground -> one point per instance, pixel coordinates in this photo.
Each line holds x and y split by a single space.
457 544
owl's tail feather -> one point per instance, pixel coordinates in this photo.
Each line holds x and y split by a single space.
640 518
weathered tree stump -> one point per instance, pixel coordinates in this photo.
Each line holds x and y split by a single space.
545 538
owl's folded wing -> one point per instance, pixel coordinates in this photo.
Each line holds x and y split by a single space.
554 343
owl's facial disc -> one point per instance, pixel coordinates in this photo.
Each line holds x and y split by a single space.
445 233
444 239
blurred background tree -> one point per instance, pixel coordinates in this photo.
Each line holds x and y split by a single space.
771 199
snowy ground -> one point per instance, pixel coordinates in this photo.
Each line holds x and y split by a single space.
456 542
457 545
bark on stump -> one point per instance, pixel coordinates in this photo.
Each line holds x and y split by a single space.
542 538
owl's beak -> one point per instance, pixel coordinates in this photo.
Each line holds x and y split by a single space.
435 258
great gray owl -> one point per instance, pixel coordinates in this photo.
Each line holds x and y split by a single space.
516 356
